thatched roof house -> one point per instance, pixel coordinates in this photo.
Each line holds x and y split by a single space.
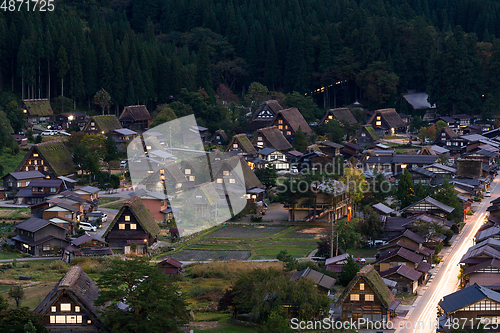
343 115
51 158
271 137
288 122
102 124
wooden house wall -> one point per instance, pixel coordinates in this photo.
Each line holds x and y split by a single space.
371 310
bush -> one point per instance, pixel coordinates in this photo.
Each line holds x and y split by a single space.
58 265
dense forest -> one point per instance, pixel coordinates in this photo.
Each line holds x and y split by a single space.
147 51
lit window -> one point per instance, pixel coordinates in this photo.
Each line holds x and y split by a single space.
248 196
378 123
369 297
148 147
133 226
45 168
121 226
219 180
89 321
191 178
187 171
26 168
70 319
280 126
46 247
354 297
52 319
361 286
232 181
330 117
127 217
235 145
78 319
77 308
280 121
65 307
35 155
259 138
225 172
289 133
53 190
363 134
378 117
53 309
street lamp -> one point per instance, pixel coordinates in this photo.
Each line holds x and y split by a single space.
146 241
349 208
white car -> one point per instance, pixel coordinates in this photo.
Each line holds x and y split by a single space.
123 164
49 132
487 194
88 226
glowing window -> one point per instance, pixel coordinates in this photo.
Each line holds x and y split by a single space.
232 181
219 180
35 155
378 123
77 308
361 286
60 319
121 226
235 145
65 307
280 126
187 171
225 172
52 319
369 297
71 319
127 217
378 117
191 178
280 121
133 226
53 309
354 297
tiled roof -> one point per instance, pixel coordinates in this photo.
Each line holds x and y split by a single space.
20 175
402 270
403 253
466 296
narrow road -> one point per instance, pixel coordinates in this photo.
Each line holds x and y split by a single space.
422 317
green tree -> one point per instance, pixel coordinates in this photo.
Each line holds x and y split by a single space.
6 139
203 74
163 114
17 294
267 176
306 105
103 99
427 133
439 125
446 194
371 225
256 94
348 234
151 299
62 66
289 261
29 327
355 183
300 142
289 195
16 117
417 123
111 151
349 271
378 83
405 193
276 322
15 320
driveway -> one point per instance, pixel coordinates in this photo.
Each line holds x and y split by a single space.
111 216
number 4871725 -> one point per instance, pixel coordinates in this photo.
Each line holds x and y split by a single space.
27 5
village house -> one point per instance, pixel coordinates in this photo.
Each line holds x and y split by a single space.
417 103
89 193
21 140
264 115
289 121
132 224
335 264
406 278
155 202
449 139
275 158
220 137
400 162
366 136
271 137
329 148
123 135
472 305
61 208
367 296
324 283
492 232
398 257
71 119
241 145
429 205
69 306
17 180
102 125
40 237
84 246
37 191
135 117
171 266
343 115
51 158
38 111
387 121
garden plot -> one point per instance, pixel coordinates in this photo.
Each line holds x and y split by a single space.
305 233
203 255
245 232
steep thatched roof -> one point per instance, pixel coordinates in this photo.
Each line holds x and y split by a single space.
105 123
55 154
244 143
344 115
275 138
295 120
38 107
142 215
371 132
251 180
273 106
390 116
374 281
80 288
136 112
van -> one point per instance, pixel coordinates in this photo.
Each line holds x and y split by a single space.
123 164
49 132
87 226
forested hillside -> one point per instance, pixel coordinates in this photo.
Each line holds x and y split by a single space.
146 51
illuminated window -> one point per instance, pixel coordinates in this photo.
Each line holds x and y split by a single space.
89 321
77 308
248 196
46 247
26 168
235 145
53 309
19 184
191 178
378 117
148 147
369 297
259 138
35 155
354 297
52 319
289 133
65 307
127 217
219 180
232 181
70 319
225 172
361 286
45 168
133 226
280 126
121 226
187 171
378 123
280 121
330 117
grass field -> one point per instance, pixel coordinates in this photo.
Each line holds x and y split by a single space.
11 162
107 200
9 213
9 255
114 204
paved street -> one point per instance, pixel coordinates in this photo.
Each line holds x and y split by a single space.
422 317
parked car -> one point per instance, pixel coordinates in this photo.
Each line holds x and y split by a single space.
487 194
123 164
96 217
49 132
88 226
377 243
